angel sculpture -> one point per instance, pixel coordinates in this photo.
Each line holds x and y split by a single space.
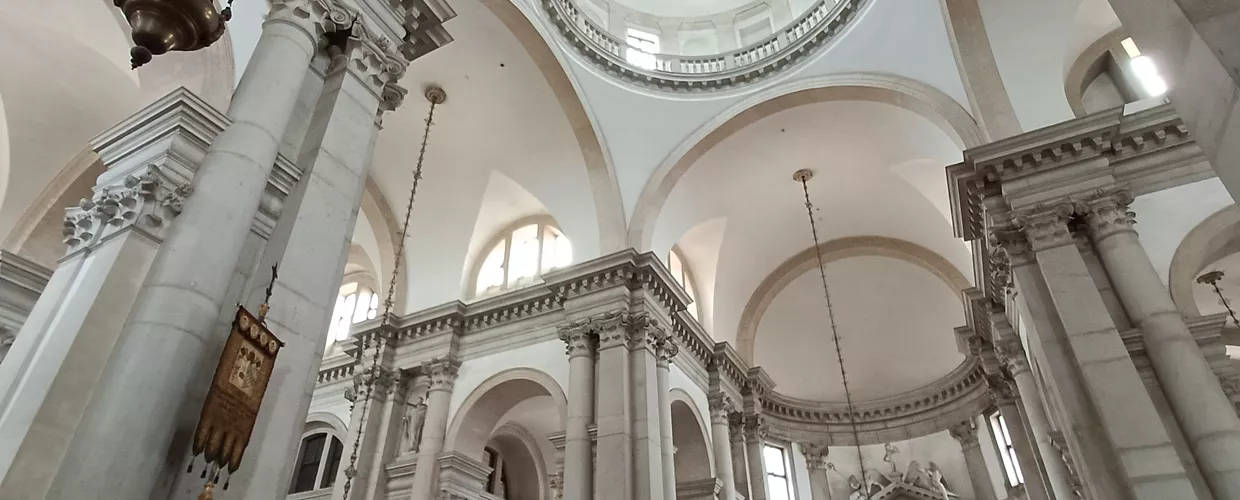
940 484
889 453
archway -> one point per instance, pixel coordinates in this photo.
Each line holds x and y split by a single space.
528 397
693 459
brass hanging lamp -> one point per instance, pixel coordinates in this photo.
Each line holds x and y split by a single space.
163 25
803 176
436 96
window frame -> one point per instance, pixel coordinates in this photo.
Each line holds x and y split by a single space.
689 283
787 475
1000 434
504 237
361 282
330 438
637 54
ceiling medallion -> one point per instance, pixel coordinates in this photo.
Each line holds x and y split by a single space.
163 25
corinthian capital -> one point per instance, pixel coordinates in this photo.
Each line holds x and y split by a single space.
442 372
815 455
579 339
146 200
720 407
964 432
1046 226
1107 213
666 349
312 16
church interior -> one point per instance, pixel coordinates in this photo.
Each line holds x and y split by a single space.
620 250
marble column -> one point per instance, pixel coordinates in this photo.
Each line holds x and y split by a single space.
134 409
755 440
1089 442
740 460
1008 400
613 413
644 337
665 350
720 406
383 408
965 433
578 479
1057 478
442 373
1203 411
816 462
1144 452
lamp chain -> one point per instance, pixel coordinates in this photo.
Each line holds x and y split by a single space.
835 334
435 96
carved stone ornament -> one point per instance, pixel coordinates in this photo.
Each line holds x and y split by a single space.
309 15
1004 391
666 349
578 340
642 331
736 426
756 427
964 432
1107 213
1047 226
815 455
442 372
145 200
720 407
1010 247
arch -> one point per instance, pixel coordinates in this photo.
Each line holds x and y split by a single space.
1087 66
321 420
599 168
476 418
475 267
515 440
387 231
1214 238
695 458
838 249
906 93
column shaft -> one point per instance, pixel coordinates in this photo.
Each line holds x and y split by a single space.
614 480
134 410
740 460
966 433
665 351
816 462
1039 427
1203 411
578 455
755 440
442 373
721 440
648 477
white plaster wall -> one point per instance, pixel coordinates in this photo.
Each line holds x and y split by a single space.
547 357
1165 217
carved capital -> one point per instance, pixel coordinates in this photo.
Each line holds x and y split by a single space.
666 349
736 426
756 428
146 200
642 332
815 455
1046 226
579 340
964 432
1107 213
721 407
1003 390
442 372
1009 248
1012 355
312 16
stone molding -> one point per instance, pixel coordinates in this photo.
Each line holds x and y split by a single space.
442 372
21 283
964 432
699 488
145 201
1029 183
960 395
802 37
815 455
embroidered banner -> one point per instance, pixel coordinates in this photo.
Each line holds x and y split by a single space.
237 390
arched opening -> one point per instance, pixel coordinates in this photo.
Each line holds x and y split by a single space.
691 444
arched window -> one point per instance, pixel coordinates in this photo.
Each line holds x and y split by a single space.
680 273
355 304
318 458
522 256
1007 450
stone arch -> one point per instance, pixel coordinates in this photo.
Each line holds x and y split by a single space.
694 459
906 93
1087 66
1214 238
386 228
602 175
528 461
842 248
476 419
326 421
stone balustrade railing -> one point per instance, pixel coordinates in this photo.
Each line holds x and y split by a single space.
813 29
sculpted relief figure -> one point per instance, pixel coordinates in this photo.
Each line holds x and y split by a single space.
411 426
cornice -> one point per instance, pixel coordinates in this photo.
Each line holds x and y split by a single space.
960 395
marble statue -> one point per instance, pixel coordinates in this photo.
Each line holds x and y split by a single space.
411 426
939 483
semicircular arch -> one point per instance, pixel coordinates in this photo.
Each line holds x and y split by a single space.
1214 238
476 418
694 439
838 249
906 93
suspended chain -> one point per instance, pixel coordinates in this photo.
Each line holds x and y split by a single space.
835 334
388 301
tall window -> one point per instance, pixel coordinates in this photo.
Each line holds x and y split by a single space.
317 462
776 461
642 48
1145 70
522 256
1007 452
681 274
355 304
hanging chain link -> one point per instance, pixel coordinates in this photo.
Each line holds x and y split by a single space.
436 97
835 334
